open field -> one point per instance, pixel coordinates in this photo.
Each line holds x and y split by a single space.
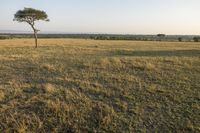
69 85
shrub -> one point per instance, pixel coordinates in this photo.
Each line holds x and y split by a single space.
180 39
4 37
196 39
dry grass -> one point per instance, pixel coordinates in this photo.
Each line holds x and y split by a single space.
2 95
74 85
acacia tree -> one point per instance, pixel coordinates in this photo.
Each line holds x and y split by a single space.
161 36
30 16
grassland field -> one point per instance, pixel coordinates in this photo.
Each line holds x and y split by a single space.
75 85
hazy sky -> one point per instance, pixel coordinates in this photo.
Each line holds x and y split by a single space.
108 16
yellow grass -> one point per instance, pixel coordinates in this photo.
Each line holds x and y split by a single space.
77 85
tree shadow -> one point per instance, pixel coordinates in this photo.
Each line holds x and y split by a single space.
179 53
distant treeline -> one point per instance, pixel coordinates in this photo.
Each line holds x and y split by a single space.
2 37
158 37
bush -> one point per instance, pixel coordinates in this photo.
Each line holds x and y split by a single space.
196 39
180 39
4 37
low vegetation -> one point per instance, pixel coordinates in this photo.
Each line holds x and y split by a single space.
4 37
159 37
73 85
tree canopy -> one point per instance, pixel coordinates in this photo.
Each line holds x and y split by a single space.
30 15
161 35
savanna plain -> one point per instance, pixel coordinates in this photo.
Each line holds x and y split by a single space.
76 85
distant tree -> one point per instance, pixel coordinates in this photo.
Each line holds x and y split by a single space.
196 39
30 16
180 39
161 36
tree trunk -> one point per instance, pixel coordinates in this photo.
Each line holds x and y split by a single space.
35 35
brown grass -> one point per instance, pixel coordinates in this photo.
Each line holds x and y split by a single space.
76 85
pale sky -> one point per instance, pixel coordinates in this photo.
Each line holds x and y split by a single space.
108 16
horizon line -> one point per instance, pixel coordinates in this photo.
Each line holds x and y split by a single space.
92 33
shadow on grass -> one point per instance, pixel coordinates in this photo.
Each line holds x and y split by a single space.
179 53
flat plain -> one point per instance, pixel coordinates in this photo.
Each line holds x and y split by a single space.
74 85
